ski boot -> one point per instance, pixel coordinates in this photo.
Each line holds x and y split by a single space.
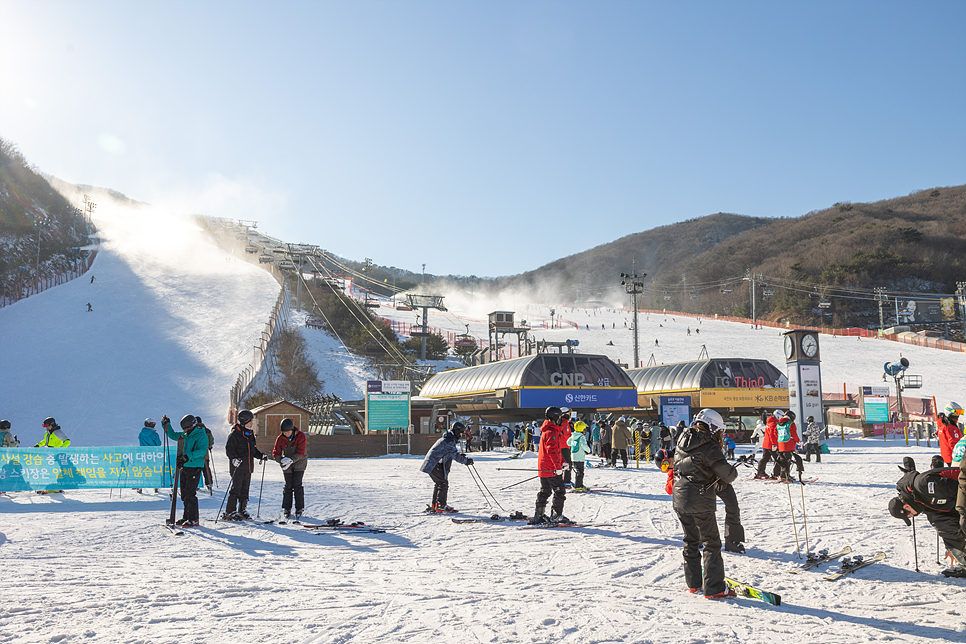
725 594
539 515
558 519
735 547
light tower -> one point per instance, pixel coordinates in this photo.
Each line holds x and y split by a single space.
634 285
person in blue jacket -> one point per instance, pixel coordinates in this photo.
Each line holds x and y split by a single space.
437 464
148 438
192 461
729 445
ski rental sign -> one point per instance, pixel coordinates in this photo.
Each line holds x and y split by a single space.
77 468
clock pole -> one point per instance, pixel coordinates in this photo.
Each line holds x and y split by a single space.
803 361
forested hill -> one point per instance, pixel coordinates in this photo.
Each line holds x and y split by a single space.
911 244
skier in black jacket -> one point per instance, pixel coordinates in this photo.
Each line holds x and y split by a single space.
242 452
699 466
933 494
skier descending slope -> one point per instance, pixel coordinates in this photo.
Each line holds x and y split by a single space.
698 466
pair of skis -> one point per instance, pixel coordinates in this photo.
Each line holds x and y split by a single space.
851 564
817 559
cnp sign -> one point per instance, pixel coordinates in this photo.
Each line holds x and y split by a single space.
566 379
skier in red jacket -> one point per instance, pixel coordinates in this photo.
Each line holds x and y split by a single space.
551 466
769 443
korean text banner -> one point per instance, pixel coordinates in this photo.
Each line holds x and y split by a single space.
75 468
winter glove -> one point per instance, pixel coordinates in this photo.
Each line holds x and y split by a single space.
469 462
286 462
182 459
165 419
565 467
263 458
720 486
235 462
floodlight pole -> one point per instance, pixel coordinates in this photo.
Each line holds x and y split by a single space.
634 287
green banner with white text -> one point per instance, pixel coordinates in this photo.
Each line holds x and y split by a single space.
75 468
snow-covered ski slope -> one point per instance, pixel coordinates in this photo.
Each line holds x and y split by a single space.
173 322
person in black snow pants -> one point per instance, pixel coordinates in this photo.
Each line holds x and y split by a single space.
242 452
437 464
698 466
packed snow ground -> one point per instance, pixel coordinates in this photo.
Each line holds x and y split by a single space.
169 333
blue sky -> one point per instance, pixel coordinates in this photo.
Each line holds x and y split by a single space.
486 138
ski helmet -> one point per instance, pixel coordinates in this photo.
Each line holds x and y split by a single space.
49 421
552 413
790 415
711 418
810 419
188 422
779 414
287 425
245 417
458 428
580 426
150 422
4 424
953 409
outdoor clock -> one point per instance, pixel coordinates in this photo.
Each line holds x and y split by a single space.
809 345
789 347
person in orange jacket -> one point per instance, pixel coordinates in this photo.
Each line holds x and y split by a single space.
550 466
769 443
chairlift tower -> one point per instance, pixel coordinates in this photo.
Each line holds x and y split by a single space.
424 302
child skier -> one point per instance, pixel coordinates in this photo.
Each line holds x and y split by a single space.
578 452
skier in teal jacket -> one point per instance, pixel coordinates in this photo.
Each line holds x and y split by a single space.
192 462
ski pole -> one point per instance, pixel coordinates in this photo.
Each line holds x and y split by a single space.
804 518
260 488
174 493
473 476
231 484
214 472
479 480
798 548
708 486
518 483
915 547
938 561
521 469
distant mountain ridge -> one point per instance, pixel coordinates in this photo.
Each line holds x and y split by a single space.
911 244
